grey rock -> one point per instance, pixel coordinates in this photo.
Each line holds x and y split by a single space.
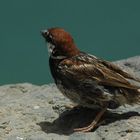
31 112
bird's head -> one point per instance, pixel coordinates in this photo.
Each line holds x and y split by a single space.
60 43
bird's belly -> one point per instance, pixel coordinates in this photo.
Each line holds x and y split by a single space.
86 98
77 97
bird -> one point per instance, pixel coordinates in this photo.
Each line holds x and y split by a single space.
87 80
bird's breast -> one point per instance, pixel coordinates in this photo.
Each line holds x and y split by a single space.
76 96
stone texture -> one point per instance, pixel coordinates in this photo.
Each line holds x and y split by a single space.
31 112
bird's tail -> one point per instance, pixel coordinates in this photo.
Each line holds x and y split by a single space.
132 96
138 96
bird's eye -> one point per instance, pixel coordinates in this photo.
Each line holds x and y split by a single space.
49 38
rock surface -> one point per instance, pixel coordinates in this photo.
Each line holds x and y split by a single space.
30 112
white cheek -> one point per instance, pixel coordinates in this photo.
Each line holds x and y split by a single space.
51 52
50 48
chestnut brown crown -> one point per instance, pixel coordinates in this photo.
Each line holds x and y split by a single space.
62 41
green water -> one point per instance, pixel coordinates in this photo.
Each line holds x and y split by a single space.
107 28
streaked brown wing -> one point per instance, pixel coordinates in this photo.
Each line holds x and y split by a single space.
80 69
118 70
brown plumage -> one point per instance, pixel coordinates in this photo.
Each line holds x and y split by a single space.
87 80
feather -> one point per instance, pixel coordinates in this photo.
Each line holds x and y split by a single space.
102 72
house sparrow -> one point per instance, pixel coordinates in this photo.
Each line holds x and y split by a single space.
87 80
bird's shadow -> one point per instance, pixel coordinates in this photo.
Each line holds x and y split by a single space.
80 117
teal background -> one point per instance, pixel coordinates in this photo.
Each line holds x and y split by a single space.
107 28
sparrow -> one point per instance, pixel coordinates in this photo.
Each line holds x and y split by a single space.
87 80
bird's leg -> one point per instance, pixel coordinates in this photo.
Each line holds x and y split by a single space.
93 123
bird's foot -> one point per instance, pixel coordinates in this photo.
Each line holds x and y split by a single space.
93 124
87 128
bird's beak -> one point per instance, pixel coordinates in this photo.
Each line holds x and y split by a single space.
44 33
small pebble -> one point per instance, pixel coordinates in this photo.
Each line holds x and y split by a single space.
19 138
36 107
